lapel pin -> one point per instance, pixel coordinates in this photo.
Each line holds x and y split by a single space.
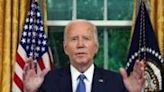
101 80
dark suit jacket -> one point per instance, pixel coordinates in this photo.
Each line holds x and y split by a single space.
59 80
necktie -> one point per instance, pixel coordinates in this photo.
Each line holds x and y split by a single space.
81 84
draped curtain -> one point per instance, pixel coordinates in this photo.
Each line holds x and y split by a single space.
12 17
157 18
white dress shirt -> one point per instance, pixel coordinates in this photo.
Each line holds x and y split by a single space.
88 81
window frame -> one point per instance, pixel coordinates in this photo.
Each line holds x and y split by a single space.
99 23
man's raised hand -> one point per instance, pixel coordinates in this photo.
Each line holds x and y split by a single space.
135 81
32 80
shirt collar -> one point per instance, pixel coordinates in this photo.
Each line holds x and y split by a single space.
89 73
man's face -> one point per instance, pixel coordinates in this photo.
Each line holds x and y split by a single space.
80 44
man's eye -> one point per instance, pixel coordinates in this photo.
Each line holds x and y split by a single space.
86 38
73 39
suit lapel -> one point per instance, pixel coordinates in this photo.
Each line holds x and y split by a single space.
98 83
66 81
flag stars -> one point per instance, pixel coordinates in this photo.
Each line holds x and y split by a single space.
39 42
44 42
31 20
32 5
30 27
25 27
33 38
32 13
27 20
29 34
32 48
36 54
33 41
24 33
40 35
31 54
28 40
43 49
37 48
38 21
27 47
41 28
34 33
44 36
36 28
23 40
38 14
41 22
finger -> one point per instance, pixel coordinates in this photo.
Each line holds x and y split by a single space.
143 71
142 64
26 67
32 65
44 72
141 68
25 70
28 62
123 73
31 72
136 65
137 68
141 81
29 59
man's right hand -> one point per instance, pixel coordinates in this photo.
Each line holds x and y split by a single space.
32 80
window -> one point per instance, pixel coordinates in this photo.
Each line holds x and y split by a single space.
112 18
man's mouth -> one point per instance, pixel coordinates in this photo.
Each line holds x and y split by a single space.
80 53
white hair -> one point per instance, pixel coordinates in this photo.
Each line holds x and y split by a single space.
94 29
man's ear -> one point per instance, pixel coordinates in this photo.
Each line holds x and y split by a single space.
97 48
65 48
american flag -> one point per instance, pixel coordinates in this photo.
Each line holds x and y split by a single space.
33 44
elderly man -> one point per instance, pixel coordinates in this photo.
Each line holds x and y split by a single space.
82 75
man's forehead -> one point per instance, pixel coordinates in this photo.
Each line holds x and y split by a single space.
80 23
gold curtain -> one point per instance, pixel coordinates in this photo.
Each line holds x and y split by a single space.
157 18
12 17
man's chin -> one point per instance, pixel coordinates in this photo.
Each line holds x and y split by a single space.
82 61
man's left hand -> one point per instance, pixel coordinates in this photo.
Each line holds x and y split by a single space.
135 81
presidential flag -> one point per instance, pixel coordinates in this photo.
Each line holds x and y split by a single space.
33 44
144 46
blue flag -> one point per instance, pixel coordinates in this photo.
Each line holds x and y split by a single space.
144 46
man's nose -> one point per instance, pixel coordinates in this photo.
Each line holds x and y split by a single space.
80 43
